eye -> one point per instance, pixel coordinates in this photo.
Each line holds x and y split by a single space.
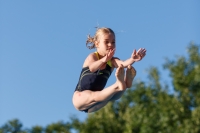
106 42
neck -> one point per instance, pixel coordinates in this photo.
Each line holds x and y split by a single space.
100 56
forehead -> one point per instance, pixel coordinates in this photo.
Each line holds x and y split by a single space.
107 36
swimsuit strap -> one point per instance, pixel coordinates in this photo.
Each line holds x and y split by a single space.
108 62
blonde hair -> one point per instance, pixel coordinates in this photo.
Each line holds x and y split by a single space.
90 42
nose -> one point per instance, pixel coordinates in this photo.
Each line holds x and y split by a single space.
111 45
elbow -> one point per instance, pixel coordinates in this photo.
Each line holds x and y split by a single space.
122 64
92 69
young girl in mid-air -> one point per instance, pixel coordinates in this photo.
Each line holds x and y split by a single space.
90 94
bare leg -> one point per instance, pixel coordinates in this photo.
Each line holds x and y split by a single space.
85 99
97 106
117 95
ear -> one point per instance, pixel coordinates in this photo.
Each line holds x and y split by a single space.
96 44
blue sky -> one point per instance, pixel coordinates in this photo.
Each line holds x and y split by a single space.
42 48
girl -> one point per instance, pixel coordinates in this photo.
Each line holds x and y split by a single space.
90 95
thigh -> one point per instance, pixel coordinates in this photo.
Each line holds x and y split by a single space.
84 99
117 95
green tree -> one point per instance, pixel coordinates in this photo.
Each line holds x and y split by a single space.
13 126
185 73
36 129
59 127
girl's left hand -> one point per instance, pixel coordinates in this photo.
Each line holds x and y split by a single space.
137 56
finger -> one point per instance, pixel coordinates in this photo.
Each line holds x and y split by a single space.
143 55
113 50
139 50
134 51
143 50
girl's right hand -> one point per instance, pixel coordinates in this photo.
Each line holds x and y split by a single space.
109 55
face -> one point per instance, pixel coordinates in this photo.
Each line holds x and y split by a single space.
105 44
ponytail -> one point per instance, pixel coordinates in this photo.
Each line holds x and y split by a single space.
90 42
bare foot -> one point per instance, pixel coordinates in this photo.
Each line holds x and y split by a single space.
120 78
130 74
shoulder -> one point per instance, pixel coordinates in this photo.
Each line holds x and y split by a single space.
90 58
115 58
115 61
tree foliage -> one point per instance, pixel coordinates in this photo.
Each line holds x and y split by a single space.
147 107
15 126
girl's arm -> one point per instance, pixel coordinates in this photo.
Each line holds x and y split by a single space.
94 63
136 56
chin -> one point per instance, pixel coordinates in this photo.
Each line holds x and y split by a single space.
105 53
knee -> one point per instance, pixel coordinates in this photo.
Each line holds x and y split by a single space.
75 101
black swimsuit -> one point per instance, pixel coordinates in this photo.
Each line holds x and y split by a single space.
94 81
